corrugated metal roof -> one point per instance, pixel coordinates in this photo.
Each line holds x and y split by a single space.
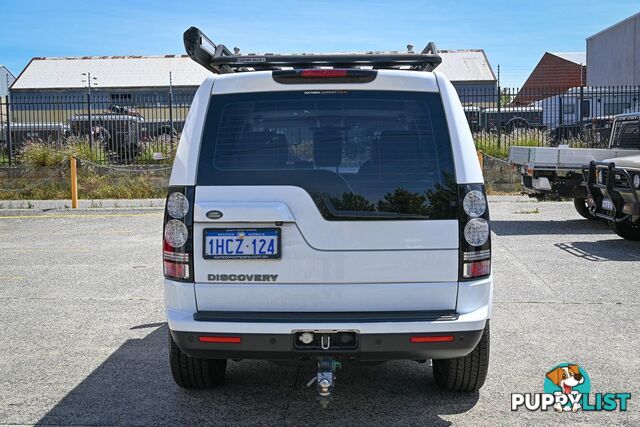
153 71
111 71
575 57
466 65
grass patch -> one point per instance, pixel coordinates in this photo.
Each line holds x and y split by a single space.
493 146
91 185
37 155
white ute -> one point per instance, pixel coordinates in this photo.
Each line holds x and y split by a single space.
329 214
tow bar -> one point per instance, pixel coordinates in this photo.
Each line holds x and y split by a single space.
325 379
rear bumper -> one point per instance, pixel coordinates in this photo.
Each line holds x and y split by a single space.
384 328
371 347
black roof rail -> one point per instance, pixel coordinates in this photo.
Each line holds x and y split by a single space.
218 59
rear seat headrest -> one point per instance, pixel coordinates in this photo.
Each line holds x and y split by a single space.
262 149
327 147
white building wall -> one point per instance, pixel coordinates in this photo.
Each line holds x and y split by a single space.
613 55
6 79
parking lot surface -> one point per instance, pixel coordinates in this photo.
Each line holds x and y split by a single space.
83 336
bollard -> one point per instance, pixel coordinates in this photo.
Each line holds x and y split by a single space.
74 182
481 159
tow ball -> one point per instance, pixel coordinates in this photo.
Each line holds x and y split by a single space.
325 379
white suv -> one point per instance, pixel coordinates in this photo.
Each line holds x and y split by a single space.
328 214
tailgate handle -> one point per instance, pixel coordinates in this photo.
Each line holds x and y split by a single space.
242 212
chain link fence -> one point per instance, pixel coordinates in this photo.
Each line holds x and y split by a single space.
131 129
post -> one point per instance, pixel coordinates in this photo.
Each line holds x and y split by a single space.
9 141
481 159
90 121
499 116
579 109
74 182
171 109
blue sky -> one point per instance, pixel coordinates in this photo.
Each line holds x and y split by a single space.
514 34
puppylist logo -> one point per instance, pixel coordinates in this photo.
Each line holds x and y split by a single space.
567 388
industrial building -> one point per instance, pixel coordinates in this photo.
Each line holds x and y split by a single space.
554 74
613 54
119 79
6 79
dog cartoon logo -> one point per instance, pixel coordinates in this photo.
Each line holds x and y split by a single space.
568 379
567 388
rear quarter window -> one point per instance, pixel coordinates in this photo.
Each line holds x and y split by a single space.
361 155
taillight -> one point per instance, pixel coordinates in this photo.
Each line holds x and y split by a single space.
324 75
475 233
177 247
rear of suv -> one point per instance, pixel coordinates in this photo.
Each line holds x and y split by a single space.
336 214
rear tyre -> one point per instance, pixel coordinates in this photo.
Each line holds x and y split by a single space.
580 203
626 230
464 374
196 373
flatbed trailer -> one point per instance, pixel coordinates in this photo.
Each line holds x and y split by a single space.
556 172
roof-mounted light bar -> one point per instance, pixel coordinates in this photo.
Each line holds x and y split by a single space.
218 59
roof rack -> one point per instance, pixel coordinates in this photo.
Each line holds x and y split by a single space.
218 59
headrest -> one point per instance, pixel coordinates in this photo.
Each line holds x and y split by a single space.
262 150
399 149
327 147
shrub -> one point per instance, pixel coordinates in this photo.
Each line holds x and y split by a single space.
40 154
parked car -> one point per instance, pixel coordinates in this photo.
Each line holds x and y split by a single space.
613 189
24 132
594 131
509 119
333 214
117 131
613 185
472 113
556 172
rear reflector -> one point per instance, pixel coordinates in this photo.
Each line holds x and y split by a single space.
228 340
432 338
476 269
176 270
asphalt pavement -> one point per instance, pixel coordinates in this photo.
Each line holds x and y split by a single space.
84 341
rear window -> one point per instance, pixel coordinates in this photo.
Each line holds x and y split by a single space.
626 134
361 155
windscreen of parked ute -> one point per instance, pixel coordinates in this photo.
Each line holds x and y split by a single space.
361 155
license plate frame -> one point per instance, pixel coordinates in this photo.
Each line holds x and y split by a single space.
207 232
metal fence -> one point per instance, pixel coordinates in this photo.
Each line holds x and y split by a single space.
545 116
146 129
131 130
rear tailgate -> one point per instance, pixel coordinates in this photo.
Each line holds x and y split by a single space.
323 265
358 187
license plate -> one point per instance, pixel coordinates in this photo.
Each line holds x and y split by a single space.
607 204
241 243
